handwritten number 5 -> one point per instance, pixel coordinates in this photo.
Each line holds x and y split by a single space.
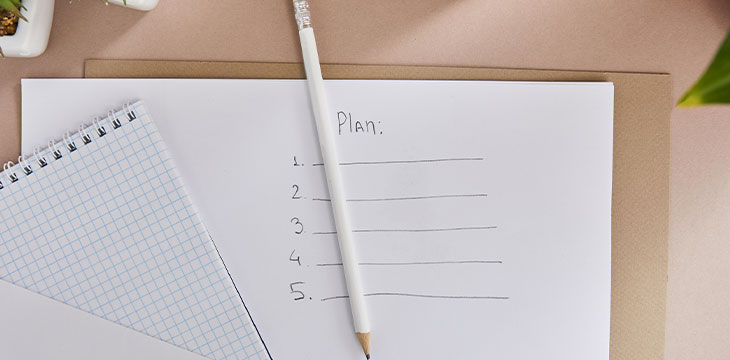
296 222
300 294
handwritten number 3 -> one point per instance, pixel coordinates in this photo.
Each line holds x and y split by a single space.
296 222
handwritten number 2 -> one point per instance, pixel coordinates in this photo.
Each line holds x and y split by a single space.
296 192
296 222
300 294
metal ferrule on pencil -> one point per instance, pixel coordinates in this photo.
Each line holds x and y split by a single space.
301 13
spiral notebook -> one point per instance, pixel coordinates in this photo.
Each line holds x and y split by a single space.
101 221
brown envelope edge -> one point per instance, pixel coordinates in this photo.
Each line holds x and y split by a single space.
640 224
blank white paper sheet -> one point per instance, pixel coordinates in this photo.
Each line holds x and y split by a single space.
481 210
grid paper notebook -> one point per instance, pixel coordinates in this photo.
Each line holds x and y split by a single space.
101 221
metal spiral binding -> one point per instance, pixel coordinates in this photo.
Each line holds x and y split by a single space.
27 169
57 154
85 136
41 159
42 162
99 127
70 145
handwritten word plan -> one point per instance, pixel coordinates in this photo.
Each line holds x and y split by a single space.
481 210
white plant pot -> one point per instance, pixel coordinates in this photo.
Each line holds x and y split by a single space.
137 4
31 38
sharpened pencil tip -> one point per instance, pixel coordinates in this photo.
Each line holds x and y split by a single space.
364 339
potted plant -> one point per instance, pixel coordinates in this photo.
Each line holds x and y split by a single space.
25 25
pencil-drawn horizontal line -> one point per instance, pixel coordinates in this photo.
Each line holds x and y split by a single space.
410 230
411 197
457 297
418 263
405 161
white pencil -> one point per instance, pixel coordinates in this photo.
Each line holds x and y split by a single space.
334 179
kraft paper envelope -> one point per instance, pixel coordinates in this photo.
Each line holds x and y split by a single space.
643 103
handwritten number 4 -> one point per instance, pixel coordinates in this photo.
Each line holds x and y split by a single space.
292 258
296 222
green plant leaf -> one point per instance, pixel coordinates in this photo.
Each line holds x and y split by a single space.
714 85
14 7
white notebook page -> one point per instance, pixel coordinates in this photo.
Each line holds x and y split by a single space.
481 209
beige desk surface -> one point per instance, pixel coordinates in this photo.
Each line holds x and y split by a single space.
674 36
